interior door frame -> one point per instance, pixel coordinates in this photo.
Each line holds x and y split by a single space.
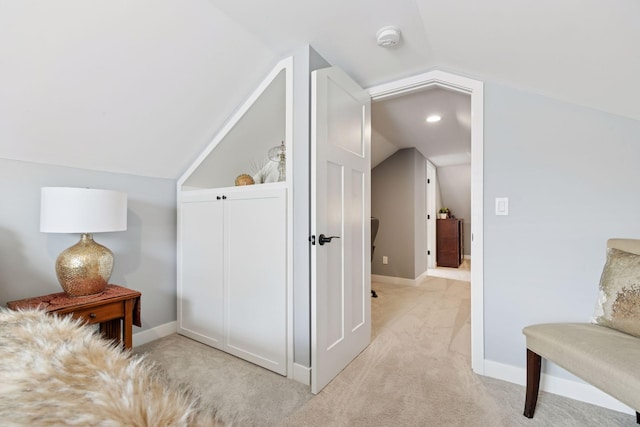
430 199
474 88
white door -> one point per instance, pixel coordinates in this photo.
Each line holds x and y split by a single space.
255 247
340 207
200 270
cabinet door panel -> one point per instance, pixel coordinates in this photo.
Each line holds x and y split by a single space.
255 251
200 292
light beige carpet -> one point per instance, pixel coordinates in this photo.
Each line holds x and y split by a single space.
416 372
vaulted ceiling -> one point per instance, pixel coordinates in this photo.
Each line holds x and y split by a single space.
142 86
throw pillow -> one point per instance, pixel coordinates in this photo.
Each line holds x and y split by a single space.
619 302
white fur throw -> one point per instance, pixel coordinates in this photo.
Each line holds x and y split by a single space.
55 371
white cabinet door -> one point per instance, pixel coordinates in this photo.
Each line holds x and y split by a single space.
232 273
200 270
256 293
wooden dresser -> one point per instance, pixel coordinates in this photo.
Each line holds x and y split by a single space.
449 242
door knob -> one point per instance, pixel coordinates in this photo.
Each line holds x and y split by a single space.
322 239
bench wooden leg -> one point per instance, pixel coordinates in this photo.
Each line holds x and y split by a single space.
534 362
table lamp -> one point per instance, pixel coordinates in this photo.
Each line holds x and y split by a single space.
84 268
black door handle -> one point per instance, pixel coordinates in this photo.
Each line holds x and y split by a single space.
322 239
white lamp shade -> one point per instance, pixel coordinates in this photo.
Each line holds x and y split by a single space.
82 210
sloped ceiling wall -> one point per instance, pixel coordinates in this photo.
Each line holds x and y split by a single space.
142 86
580 51
137 87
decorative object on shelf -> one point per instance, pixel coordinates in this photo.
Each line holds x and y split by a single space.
245 179
278 154
260 170
444 213
84 268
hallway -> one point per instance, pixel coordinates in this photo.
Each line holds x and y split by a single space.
461 273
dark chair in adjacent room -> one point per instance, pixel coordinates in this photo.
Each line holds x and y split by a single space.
375 223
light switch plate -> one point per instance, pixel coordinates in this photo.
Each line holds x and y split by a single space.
502 206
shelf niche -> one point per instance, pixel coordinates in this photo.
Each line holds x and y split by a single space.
242 146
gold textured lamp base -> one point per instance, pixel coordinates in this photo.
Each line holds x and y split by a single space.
84 268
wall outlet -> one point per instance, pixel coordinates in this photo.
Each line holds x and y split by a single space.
385 260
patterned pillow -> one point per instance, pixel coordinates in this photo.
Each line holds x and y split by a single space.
619 302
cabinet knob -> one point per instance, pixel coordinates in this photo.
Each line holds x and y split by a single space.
92 315
224 197
218 197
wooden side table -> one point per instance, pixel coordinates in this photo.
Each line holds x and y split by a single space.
116 309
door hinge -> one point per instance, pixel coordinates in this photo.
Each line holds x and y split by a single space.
428 252
312 239
428 216
428 181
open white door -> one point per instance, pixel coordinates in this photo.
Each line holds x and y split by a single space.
341 207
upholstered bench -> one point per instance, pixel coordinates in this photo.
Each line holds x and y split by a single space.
605 353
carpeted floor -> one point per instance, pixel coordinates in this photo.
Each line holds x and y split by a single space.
243 394
415 372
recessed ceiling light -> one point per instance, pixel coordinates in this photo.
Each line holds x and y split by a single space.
433 118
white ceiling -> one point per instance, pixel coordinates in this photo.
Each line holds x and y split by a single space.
141 87
401 122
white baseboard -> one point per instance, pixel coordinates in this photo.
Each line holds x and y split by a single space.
396 280
302 374
153 334
467 256
564 387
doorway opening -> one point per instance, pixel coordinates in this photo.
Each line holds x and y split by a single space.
473 88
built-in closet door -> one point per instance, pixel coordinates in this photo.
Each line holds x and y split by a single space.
256 277
201 269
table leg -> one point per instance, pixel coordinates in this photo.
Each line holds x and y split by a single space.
127 333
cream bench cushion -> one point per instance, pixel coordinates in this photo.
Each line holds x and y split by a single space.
606 358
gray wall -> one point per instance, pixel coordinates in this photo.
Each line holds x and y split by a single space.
572 178
398 200
455 188
145 254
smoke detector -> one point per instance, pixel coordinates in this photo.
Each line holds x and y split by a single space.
388 36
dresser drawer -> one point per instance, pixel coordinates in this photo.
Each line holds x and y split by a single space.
101 313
